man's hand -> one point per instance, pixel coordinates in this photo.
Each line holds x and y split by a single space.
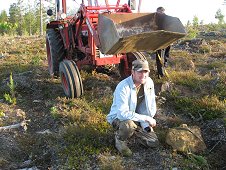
151 121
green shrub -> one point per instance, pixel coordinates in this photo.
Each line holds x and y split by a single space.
11 96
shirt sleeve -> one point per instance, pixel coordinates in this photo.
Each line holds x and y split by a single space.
121 98
152 103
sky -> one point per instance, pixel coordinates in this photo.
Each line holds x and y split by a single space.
185 10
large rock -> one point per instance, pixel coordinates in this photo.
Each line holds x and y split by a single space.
186 139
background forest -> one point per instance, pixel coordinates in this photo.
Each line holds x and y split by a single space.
31 19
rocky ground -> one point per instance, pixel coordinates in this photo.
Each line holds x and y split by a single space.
29 131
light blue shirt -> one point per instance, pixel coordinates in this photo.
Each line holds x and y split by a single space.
125 101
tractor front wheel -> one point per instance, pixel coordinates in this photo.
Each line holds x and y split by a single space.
70 79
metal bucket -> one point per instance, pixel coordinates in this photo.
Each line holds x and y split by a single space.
134 32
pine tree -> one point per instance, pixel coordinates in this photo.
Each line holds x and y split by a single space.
29 20
3 16
16 12
21 24
195 22
13 13
219 16
40 20
13 18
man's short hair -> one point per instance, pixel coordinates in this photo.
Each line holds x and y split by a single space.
139 65
160 9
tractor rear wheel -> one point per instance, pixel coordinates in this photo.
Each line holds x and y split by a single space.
55 51
125 65
70 79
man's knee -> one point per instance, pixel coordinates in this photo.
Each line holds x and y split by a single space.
128 124
126 129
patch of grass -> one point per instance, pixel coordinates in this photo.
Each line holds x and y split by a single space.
179 64
54 112
78 110
36 60
179 53
21 54
102 102
7 67
201 85
198 160
189 79
209 107
194 161
204 49
80 146
219 88
94 80
87 132
216 65
85 122
109 162
98 91
2 114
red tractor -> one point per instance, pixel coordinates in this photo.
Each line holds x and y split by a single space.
100 35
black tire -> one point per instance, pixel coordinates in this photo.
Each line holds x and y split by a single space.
122 69
55 51
127 63
79 77
70 79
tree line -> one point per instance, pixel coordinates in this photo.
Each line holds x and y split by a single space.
196 26
23 19
31 20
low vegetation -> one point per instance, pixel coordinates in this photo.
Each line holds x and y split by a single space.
73 133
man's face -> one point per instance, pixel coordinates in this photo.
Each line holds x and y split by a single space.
161 11
140 77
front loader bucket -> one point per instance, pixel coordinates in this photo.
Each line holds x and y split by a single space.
133 32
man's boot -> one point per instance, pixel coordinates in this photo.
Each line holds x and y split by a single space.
147 138
122 147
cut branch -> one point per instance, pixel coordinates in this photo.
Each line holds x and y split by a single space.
15 126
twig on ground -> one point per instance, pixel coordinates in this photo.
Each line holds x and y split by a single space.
15 126
215 146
